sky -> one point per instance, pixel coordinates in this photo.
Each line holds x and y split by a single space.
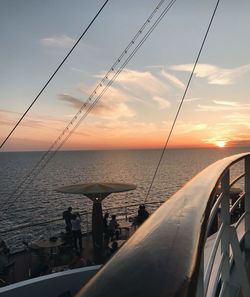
138 109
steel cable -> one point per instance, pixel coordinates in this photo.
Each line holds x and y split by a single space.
182 100
51 77
43 162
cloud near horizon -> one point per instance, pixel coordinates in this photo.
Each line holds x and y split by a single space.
214 74
185 128
239 143
228 132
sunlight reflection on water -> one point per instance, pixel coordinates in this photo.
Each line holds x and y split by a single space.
41 202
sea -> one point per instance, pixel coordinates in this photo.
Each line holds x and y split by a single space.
40 202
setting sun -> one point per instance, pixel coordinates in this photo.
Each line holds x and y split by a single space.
221 143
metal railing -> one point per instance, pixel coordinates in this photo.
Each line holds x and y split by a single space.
195 244
56 225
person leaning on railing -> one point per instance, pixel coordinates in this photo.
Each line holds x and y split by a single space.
113 228
76 230
67 216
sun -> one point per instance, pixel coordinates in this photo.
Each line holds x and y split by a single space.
221 143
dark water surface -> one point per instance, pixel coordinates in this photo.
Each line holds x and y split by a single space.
41 202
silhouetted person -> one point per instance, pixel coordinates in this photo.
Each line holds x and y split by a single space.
105 229
112 228
67 215
4 248
4 258
105 222
76 230
142 214
114 247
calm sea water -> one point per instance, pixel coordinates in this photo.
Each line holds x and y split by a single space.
41 202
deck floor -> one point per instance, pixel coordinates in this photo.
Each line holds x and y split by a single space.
32 263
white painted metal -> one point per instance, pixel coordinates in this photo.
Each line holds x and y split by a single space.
247 202
225 218
212 256
216 278
240 265
242 196
51 285
218 270
237 179
214 212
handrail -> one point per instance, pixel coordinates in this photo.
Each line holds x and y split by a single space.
164 256
213 212
240 220
83 213
212 256
236 179
241 197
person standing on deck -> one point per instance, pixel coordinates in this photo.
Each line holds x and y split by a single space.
76 230
142 214
105 229
105 223
113 228
67 216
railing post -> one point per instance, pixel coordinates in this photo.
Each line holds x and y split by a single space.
239 263
87 224
225 217
247 202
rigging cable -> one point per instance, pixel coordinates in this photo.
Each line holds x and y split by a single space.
182 100
43 161
51 77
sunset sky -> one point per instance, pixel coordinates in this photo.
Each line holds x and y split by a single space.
138 109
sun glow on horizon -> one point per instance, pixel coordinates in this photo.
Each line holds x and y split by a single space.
221 143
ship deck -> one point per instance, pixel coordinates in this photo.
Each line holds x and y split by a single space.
31 262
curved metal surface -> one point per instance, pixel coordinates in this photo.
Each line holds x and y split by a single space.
162 258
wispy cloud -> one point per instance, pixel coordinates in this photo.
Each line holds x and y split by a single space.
111 105
8 111
8 117
237 116
190 99
141 86
239 143
238 119
228 132
62 41
73 101
232 137
224 106
141 81
214 74
173 79
77 70
163 103
127 128
227 103
185 128
5 122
